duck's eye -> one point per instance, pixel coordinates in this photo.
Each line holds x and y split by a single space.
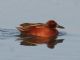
53 23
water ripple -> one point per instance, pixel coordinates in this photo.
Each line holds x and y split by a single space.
7 33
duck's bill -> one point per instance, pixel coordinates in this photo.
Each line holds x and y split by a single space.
59 26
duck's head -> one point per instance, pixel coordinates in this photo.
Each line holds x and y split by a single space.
53 24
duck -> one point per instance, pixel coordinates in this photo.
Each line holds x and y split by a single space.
44 30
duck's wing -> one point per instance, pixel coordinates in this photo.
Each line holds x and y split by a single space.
28 24
25 24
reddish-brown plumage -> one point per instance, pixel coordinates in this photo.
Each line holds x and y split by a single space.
46 30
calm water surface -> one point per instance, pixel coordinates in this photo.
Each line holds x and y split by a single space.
14 12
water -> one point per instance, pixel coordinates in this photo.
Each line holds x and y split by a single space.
14 12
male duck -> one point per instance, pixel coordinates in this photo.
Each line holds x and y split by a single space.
45 30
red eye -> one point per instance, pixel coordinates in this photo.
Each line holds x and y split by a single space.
52 24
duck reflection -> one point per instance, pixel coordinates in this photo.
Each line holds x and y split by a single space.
35 40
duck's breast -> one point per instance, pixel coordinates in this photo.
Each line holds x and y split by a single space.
44 32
